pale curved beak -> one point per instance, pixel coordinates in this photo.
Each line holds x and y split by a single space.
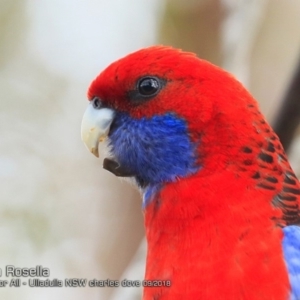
95 126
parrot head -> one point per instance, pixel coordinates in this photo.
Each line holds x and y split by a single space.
167 115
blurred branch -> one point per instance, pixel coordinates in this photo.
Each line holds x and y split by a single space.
288 117
194 26
241 24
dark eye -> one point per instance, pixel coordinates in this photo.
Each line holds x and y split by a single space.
149 86
97 104
146 88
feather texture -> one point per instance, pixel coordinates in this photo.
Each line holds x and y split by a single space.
221 201
291 248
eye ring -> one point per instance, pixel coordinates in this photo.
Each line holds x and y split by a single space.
97 104
148 86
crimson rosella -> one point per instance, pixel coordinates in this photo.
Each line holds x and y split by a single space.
220 200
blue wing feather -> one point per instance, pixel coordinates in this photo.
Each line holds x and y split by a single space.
291 249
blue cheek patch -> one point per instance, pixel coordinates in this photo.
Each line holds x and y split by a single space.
291 250
156 149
